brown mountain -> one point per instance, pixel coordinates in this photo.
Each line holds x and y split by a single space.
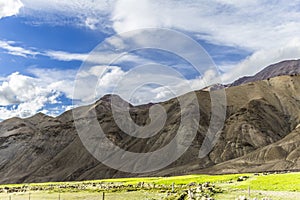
261 133
288 67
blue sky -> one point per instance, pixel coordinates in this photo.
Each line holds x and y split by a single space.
44 44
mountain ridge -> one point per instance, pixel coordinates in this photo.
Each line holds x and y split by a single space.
286 67
262 119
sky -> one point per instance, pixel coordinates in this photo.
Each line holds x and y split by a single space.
48 48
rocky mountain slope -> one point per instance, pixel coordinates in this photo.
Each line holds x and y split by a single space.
288 67
261 133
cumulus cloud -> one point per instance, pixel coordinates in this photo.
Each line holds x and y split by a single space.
25 95
24 91
22 95
10 8
56 80
95 81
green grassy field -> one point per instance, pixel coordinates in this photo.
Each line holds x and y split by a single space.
273 182
179 180
275 186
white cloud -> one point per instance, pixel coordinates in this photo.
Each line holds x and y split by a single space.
137 86
260 59
101 56
252 25
269 30
11 48
94 82
23 95
29 93
247 24
112 75
91 14
91 23
56 80
17 88
66 7
130 15
66 56
10 8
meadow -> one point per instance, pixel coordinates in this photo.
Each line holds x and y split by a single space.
263 185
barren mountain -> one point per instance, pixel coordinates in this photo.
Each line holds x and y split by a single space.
261 133
289 67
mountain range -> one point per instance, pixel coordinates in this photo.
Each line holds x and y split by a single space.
261 133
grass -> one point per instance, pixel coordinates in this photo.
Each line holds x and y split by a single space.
179 180
82 196
275 186
273 182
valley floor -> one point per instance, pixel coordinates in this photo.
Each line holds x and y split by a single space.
259 186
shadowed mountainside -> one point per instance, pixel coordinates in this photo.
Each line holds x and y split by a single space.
261 133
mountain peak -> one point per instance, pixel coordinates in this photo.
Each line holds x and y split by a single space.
116 99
